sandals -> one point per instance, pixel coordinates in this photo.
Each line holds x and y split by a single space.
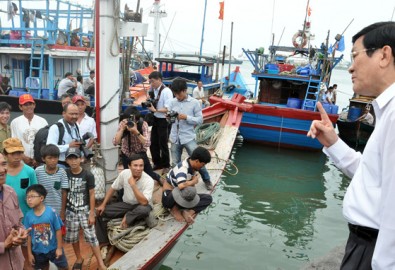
78 266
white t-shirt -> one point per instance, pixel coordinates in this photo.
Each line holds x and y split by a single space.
87 124
198 93
26 131
145 184
64 85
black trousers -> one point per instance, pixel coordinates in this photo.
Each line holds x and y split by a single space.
359 248
159 139
147 165
168 201
133 212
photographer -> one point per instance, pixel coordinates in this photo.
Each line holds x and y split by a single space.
71 137
186 113
162 96
133 136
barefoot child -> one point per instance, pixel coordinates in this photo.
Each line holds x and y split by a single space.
80 207
44 243
180 194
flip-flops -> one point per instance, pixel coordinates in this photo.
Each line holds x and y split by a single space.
78 266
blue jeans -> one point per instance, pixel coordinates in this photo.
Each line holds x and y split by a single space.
176 152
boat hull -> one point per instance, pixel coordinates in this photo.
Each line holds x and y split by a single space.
278 126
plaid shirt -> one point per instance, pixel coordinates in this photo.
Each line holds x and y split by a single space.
135 144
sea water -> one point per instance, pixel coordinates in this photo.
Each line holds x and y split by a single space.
282 210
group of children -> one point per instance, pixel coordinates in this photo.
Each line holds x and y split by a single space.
69 198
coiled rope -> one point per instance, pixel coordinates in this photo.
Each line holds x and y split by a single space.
208 134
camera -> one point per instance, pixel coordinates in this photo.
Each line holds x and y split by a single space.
148 103
88 154
131 121
172 116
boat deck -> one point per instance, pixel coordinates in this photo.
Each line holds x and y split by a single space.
154 247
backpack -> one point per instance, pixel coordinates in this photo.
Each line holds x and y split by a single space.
41 139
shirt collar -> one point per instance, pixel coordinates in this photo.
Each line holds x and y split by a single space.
383 99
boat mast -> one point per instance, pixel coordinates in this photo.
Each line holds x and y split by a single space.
202 38
157 13
230 49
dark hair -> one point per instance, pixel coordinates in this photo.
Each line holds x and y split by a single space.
92 72
179 85
40 189
376 36
155 75
134 157
330 88
334 85
64 96
79 78
4 106
49 150
67 74
201 154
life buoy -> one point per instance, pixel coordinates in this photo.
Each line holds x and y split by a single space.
299 40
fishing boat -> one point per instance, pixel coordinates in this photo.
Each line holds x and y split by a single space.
285 95
353 130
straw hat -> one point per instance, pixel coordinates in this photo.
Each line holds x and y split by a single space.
12 145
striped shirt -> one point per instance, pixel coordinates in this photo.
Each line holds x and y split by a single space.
182 172
53 183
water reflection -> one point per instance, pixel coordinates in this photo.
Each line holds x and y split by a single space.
282 189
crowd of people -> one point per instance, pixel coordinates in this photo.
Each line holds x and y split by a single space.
52 197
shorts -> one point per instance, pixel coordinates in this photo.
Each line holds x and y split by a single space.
42 260
73 222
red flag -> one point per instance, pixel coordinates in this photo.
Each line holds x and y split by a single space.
309 11
221 10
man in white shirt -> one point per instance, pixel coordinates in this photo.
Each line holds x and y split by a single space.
85 123
89 83
68 83
159 133
71 137
369 200
198 93
26 126
136 202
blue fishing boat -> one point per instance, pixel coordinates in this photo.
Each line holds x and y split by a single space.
285 96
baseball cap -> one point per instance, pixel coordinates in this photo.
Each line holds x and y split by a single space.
78 98
186 197
12 145
25 98
73 152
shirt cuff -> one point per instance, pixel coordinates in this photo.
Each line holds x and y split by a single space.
337 151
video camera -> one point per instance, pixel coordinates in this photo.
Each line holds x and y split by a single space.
88 154
149 102
171 116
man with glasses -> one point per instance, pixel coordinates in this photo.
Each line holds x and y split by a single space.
26 126
368 203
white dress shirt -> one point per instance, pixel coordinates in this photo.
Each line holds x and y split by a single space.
370 197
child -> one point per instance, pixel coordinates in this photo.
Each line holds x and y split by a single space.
80 207
53 178
44 243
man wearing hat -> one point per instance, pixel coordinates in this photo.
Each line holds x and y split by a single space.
68 83
179 191
26 126
85 123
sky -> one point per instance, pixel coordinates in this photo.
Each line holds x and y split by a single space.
255 22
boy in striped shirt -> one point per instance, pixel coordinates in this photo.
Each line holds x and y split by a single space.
53 178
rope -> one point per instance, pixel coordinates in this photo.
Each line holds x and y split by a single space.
125 239
228 162
161 213
208 134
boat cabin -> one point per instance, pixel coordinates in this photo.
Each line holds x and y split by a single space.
191 70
